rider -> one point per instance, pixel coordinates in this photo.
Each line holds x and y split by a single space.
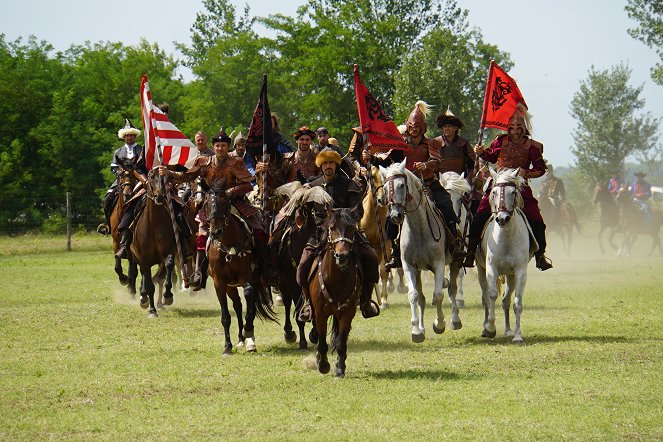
129 156
641 192
456 154
346 194
553 189
513 150
423 159
232 169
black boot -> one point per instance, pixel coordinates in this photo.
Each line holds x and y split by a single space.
369 308
539 231
269 272
197 277
125 242
395 261
306 311
471 252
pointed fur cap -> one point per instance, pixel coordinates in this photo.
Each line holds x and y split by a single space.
128 129
448 117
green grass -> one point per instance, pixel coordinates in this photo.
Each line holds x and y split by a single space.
79 360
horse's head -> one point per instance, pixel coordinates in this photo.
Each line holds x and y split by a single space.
458 188
505 195
218 208
156 189
341 231
126 182
395 179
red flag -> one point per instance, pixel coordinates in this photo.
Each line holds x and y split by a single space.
501 99
381 130
164 142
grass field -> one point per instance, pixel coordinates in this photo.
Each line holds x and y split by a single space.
79 360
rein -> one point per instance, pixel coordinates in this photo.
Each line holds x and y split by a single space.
501 204
408 198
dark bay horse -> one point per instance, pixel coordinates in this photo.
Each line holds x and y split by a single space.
634 221
335 287
560 217
126 186
154 242
608 213
232 264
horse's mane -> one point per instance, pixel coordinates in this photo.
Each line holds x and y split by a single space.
396 168
510 176
455 183
344 215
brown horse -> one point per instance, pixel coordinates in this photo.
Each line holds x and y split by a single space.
335 287
126 186
232 264
561 218
608 214
635 220
154 242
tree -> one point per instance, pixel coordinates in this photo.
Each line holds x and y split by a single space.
649 15
608 128
450 69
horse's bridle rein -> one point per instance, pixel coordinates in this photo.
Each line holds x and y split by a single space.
389 185
501 203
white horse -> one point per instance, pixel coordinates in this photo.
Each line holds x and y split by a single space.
458 188
504 250
422 246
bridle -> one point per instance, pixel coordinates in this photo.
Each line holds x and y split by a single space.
501 203
389 185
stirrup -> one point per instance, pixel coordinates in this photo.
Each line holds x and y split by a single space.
543 263
370 309
305 313
392 264
196 280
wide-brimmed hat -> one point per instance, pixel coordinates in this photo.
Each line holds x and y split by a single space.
128 129
327 154
448 117
304 130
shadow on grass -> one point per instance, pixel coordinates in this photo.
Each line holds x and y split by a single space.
545 339
422 373
196 313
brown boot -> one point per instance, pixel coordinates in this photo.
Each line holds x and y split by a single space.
395 261
543 263
369 308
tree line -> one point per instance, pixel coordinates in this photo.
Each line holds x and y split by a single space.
61 111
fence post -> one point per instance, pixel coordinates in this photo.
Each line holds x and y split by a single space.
69 221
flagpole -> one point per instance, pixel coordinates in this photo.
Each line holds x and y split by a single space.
264 146
486 99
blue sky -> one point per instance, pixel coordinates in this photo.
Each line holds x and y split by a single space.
553 44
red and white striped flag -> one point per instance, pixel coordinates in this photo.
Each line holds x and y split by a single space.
176 148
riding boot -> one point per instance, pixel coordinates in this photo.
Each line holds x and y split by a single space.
539 231
471 252
109 202
457 245
369 308
125 242
395 261
306 311
269 272
204 268
197 277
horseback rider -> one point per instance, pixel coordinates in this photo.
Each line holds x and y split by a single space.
127 157
641 192
552 188
232 169
423 159
346 194
516 149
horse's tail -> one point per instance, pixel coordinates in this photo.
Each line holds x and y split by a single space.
264 303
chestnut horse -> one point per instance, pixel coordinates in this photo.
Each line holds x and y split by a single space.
335 287
232 264
154 242
126 185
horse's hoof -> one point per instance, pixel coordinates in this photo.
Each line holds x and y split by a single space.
168 299
313 336
509 333
303 345
384 306
324 367
144 302
440 330
251 348
340 374
418 338
518 340
488 334
290 337
228 352
152 316
123 279
460 303
456 325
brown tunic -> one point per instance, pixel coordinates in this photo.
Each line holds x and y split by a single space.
427 151
304 163
457 156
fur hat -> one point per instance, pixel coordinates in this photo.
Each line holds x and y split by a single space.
333 141
128 129
448 118
327 154
640 174
418 115
239 138
304 130
222 137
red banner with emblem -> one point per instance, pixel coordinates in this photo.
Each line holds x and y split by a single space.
501 99
380 130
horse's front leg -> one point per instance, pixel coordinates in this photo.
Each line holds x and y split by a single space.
147 291
384 293
521 280
168 294
460 298
120 273
248 333
489 330
439 325
132 274
412 275
233 294
402 287
341 339
506 304
454 272
221 288
323 348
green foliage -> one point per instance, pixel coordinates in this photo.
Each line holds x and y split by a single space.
609 131
649 15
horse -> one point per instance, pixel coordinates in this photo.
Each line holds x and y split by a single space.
154 242
126 186
423 246
504 250
232 264
608 214
296 225
635 220
459 191
335 286
374 209
560 218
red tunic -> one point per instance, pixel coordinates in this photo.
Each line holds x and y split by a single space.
529 156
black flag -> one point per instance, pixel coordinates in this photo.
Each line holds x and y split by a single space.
260 140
